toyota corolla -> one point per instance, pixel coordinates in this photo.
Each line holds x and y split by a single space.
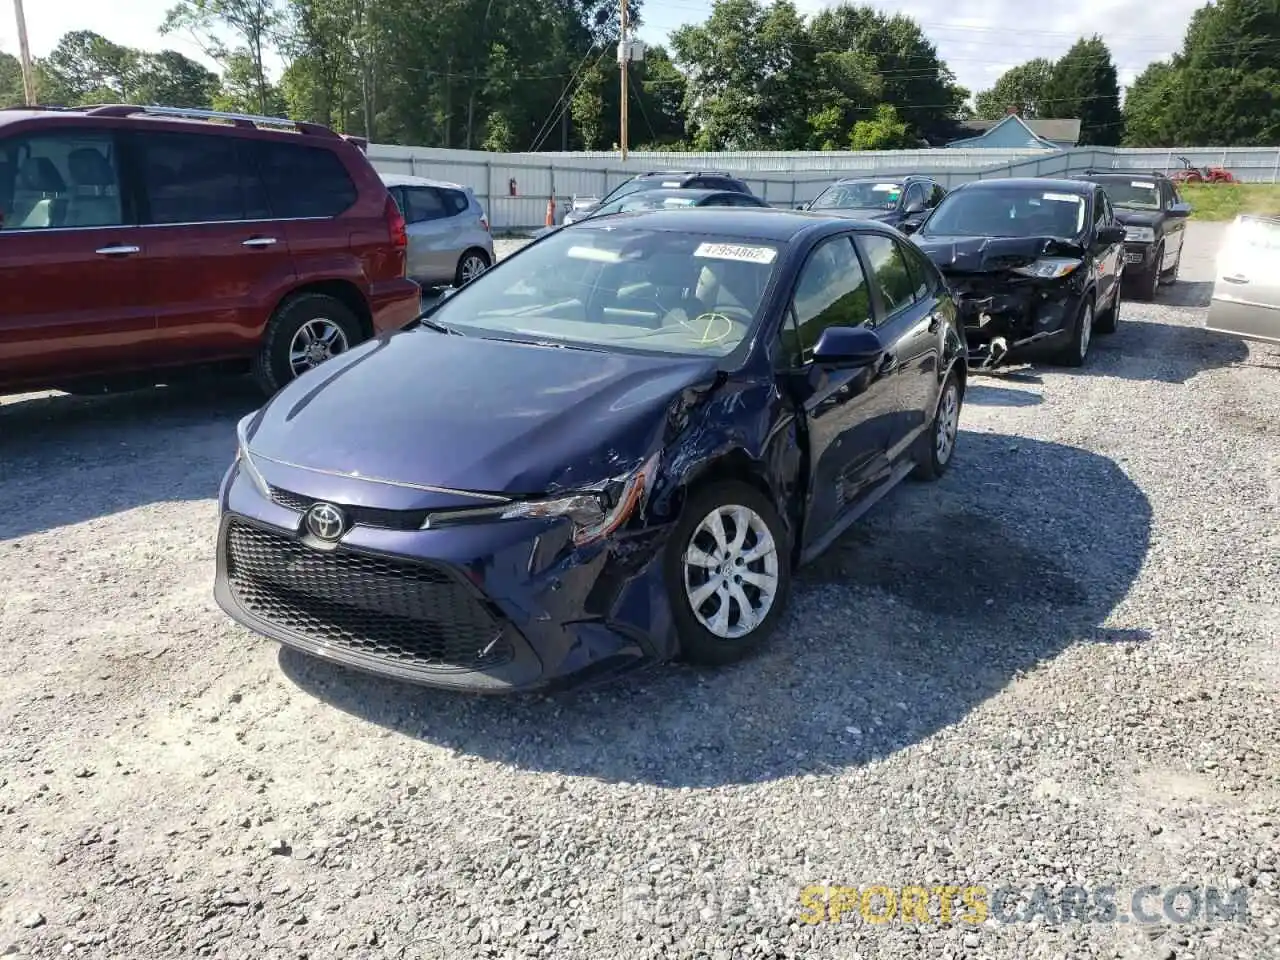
611 449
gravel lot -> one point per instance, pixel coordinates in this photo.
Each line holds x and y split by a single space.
1103 711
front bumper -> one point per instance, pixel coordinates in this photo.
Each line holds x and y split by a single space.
1005 322
489 608
1139 257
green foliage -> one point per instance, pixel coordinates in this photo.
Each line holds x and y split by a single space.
1083 85
11 93
1021 87
884 132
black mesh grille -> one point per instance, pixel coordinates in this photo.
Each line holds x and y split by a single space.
407 612
361 516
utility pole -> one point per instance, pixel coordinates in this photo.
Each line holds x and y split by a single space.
24 54
624 58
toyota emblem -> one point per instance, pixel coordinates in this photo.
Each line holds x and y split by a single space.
326 522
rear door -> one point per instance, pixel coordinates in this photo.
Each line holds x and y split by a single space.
1111 255
907 305
433 253
75 297
1246 291
845 411
220 261
1175 228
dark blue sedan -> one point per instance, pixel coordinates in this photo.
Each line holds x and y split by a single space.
611 449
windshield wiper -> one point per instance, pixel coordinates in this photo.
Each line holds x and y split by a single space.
424 319
557 344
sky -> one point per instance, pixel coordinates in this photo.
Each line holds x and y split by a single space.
991 37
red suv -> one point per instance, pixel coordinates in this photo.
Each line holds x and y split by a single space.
141 239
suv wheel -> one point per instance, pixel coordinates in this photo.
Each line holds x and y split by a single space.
305 331
472 264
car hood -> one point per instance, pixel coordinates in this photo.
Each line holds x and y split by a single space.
476 415
991 254
1137 218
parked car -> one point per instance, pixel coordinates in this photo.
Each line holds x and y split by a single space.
892 200
659 180
138 241
449 239
1155 225
668 198
1035 265
1246 288
679 408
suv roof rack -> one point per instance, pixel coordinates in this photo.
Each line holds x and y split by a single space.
191 113
1120 172
685 173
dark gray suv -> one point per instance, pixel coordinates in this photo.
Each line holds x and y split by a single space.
658 180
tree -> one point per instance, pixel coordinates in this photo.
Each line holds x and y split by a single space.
86 67
1021 87
1146 106
251 21
1083 85
884 132
11 92
170 79
242 89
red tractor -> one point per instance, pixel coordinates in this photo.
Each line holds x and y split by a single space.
1193 174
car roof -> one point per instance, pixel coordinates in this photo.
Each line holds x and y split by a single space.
759 223
404 180
683 174
1029 183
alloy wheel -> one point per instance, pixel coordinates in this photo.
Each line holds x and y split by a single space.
731 571
472 267
315 342
948 423
1086 329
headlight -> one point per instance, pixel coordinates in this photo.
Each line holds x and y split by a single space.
246 460
595 513
1140 234
1049 268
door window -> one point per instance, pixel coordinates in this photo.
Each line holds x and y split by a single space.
831 292
304 181
455 201
915 192
59 180
424 204
898 287
198 178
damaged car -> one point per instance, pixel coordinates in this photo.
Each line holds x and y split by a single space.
609 450
1035 266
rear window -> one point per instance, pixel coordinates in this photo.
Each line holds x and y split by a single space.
455 201
305 181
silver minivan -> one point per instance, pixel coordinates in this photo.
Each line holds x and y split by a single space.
449 239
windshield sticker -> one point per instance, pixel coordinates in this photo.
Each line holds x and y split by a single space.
677 202
736 251
671 183
886 188
1142 184
1062 197
594 253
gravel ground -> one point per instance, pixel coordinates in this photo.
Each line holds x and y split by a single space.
1057 666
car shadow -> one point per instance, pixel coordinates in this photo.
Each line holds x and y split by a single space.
1160 351
68 459
1186 293
985 395
938 600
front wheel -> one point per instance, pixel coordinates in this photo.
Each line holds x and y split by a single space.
305 331
1076 351
728 573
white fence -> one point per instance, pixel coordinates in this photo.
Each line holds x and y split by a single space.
515 187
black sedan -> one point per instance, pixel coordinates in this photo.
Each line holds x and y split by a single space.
611 449
667 198
901 202
1035 266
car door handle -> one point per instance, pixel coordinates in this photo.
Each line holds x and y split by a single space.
260 242
117 250
1236 278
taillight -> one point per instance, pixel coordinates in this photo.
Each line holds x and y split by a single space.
395 224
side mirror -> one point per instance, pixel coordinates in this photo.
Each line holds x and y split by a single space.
1112 234
909 226
1179 210
848 347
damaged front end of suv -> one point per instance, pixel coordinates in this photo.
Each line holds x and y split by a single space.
1012 292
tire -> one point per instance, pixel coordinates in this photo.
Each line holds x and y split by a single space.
936 447
1147 283
1075 353
273 368
699 644
1107 323
467 266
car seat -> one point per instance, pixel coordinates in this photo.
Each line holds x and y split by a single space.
37 194
95 196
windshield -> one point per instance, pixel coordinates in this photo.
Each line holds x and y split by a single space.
1007 212
692 294
645 200
860 195
635 186
1135 194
